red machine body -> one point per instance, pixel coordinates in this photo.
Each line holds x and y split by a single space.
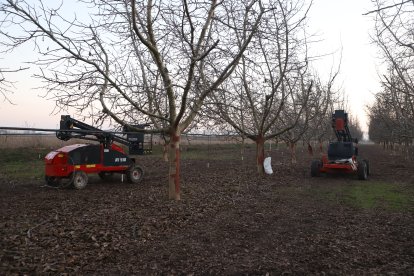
70 165
87 158
342 154
348 166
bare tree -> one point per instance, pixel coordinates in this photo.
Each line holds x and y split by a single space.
394 36
6 85
355 128
299 113
315 118
270 79
392 114
382 122
325 99
132 61
391 117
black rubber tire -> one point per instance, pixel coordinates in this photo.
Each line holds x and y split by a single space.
362 170
316 168
106 176
368 167
79 180
134 174
52 181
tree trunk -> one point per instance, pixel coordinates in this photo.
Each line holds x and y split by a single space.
242 148
292 147
165 151
310 149
320 146
174 166
260 154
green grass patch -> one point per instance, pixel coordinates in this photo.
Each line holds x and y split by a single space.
372 194
22 163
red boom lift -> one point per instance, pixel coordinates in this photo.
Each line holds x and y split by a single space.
342 154
71 165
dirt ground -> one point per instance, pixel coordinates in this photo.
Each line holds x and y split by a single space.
229 221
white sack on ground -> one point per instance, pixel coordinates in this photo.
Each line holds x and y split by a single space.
267 165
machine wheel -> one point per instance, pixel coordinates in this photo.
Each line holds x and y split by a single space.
134 174
106 176
368 168
52 181
316 168
80 180
363 170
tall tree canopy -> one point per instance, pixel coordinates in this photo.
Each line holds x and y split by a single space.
134 61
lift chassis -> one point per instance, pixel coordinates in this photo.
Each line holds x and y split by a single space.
342 154
71 164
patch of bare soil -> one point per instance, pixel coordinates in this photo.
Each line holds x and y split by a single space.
229 221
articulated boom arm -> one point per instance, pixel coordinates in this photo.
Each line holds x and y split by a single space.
340 126
85 131
71 128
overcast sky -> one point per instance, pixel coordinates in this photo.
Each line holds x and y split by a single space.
339 24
